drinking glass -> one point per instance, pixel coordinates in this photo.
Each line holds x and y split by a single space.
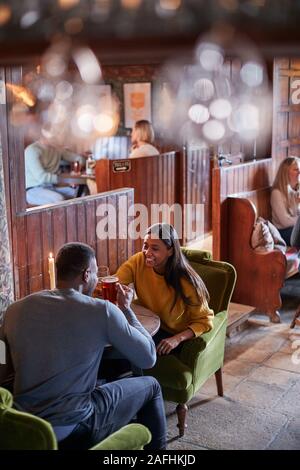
103 271
109 288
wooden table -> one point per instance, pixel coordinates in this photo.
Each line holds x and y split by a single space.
151 323
80 179
75 178
149 319
237 315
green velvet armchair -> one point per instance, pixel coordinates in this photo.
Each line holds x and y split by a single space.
24 431
181 375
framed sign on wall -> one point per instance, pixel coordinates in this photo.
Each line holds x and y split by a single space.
137 102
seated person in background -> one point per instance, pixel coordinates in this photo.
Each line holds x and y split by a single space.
166 284
142 138
56 371
42 165
285 201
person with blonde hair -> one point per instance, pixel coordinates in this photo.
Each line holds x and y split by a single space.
285 200
142 138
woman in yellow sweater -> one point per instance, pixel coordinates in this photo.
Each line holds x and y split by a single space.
166 284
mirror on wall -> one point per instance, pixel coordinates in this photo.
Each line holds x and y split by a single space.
62 107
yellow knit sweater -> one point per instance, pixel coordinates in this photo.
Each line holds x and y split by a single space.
154 293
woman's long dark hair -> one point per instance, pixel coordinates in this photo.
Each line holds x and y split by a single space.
177 266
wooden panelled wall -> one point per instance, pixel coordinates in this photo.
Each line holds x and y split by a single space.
197 189
36 232
39 231
156 180
153 178
228 181
286 109
170 178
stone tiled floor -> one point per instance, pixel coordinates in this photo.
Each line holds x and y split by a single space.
261 377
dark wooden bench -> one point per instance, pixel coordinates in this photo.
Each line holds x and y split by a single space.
260 275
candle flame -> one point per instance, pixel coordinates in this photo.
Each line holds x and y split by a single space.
50 255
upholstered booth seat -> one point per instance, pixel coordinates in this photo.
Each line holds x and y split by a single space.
23 431
181 375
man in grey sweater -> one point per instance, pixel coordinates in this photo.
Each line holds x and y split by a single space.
56 340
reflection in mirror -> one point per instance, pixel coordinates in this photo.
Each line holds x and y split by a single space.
63 106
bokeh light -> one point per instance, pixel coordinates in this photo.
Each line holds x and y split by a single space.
63 90
213 130
211 56
5 13
88 65
67 4
71 104
245 120
198 113
204 89
216 101
73 25
220 108
252 74
104 123
29 18
131 4
170 4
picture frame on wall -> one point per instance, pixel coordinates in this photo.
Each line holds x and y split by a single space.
137 102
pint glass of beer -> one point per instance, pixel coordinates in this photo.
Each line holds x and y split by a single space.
109 288
103 271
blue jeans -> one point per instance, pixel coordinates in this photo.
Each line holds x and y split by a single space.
115 405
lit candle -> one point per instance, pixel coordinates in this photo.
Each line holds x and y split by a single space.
51 267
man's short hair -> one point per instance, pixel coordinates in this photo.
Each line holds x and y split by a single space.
72 259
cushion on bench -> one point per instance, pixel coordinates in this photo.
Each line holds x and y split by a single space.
266 237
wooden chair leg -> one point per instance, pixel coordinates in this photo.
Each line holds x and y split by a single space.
297 314
274 316
181 410
219 381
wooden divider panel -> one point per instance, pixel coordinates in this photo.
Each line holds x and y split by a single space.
233 180
44 229
260 275
156 180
